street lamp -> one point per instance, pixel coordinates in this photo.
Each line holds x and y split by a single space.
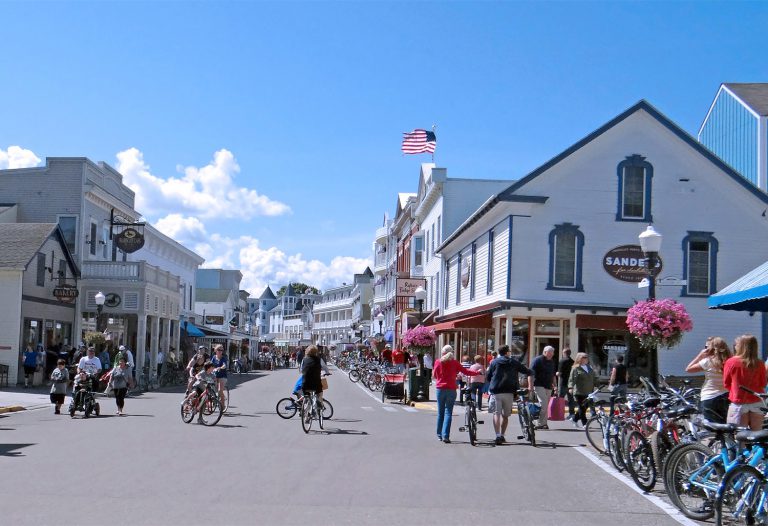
650 244
380 319
100 298
421 294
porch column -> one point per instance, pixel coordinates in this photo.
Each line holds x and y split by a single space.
154 342
176 339
141 348
509 328
166 338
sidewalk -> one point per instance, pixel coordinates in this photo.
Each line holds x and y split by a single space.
19 399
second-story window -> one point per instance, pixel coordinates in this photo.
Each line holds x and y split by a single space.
700 263
93 240
418 251
566 243
635 178
40 269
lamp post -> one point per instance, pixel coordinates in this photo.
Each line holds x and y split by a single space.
650 244
100 298
421 294
380 319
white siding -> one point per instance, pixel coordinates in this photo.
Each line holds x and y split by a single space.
10 322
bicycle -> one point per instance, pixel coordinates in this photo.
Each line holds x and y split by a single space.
524 415
289 406
206 405
470 417
309 411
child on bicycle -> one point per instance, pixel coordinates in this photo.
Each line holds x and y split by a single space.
202 378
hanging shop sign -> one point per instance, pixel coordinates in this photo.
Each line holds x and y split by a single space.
406 287
112 300
628 263
129 240
65 293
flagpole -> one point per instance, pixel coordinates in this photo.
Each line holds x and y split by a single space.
434 127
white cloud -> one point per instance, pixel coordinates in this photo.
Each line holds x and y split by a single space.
207 192
260 266
17 157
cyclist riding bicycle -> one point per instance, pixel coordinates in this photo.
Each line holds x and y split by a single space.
311 369
203 377
195 365
220 363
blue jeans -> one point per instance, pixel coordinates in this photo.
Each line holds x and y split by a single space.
445 400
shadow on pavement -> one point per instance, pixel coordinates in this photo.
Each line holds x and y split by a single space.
227 426
241 414
337 431
344 420
9 450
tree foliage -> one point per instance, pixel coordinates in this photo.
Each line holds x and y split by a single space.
299 288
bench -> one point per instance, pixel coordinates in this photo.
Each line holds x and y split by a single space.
4 375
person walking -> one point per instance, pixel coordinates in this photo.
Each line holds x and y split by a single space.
502 378
477 381
543 367
120 380
746 369
713 401
29 361
619 378
446 369
563 373
581 382
428 365
60 379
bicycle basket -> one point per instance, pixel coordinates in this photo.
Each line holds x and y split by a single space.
534 409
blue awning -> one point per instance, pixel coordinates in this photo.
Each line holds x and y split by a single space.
388 336
748 293
192 330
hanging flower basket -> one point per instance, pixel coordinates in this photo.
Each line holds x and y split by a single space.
419 339
658 323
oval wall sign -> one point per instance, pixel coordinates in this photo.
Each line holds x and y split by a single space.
627 263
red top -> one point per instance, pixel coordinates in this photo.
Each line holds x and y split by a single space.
387 354
445 373
736 374
398 357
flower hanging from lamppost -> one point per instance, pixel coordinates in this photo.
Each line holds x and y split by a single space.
658 323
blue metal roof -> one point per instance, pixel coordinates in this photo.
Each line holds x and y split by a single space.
748 293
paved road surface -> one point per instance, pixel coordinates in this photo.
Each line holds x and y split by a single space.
373 464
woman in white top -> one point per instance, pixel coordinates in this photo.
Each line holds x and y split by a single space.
714 396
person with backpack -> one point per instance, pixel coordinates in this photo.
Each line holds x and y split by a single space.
503 383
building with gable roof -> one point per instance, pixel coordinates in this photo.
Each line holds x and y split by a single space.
554 258
736 129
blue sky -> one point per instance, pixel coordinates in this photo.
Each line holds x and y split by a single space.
266 136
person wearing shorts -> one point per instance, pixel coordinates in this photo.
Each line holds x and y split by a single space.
745 369
503 385
59 379
219 362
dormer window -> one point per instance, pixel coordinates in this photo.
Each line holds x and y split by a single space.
634 196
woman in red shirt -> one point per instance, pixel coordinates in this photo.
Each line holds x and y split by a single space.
744 368
445 372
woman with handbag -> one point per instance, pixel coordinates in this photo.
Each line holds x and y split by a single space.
119 381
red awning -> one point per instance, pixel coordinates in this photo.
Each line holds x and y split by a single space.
606 323
482 321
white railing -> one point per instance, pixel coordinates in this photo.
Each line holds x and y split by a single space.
136 271
381 233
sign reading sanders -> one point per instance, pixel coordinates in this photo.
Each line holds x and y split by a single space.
627 263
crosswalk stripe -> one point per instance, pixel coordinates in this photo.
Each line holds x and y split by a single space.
390 409
367 408
410 409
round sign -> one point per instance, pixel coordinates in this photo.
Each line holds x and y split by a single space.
129 240
628 263
112 300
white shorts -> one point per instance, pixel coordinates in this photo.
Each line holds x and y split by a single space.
736 411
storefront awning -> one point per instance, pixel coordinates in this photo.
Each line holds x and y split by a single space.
606 323
192 330
748 293
482 321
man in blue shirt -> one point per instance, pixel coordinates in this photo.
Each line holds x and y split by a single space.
543 367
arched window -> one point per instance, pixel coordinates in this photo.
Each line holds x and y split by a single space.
566 247
635 178
700 263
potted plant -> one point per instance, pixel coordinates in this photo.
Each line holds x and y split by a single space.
419 340
658 323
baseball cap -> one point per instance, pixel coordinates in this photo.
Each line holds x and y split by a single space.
121 348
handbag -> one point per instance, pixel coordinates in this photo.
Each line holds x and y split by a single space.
324 383
108 391
556 409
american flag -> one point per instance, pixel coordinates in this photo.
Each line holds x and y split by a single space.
419 141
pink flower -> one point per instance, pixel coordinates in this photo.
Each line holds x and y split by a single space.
419 337
658 322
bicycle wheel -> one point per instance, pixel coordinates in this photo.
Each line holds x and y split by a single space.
531 430
306 414
741 498
696 501
327 409
319 413
286 408
471 421
187 411
615 450
639 461
594 430
523 425
212 411
660 445
665 476
226 399
354 375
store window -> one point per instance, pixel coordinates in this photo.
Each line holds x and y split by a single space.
521 332
635 175
603 346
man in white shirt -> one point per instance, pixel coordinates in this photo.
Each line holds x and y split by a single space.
128 358
160 362
91 366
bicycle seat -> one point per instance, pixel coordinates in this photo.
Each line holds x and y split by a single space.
652 402
618 399
719 428
753 437
680 412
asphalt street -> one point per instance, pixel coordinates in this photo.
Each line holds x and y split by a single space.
373 464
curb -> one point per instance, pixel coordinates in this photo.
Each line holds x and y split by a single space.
11 409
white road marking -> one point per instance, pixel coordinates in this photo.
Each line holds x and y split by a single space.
667 508
367 408
389 408
410 409
366 391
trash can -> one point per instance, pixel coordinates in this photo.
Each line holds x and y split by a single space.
417 381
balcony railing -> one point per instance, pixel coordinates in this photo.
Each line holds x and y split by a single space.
134 271
381 233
